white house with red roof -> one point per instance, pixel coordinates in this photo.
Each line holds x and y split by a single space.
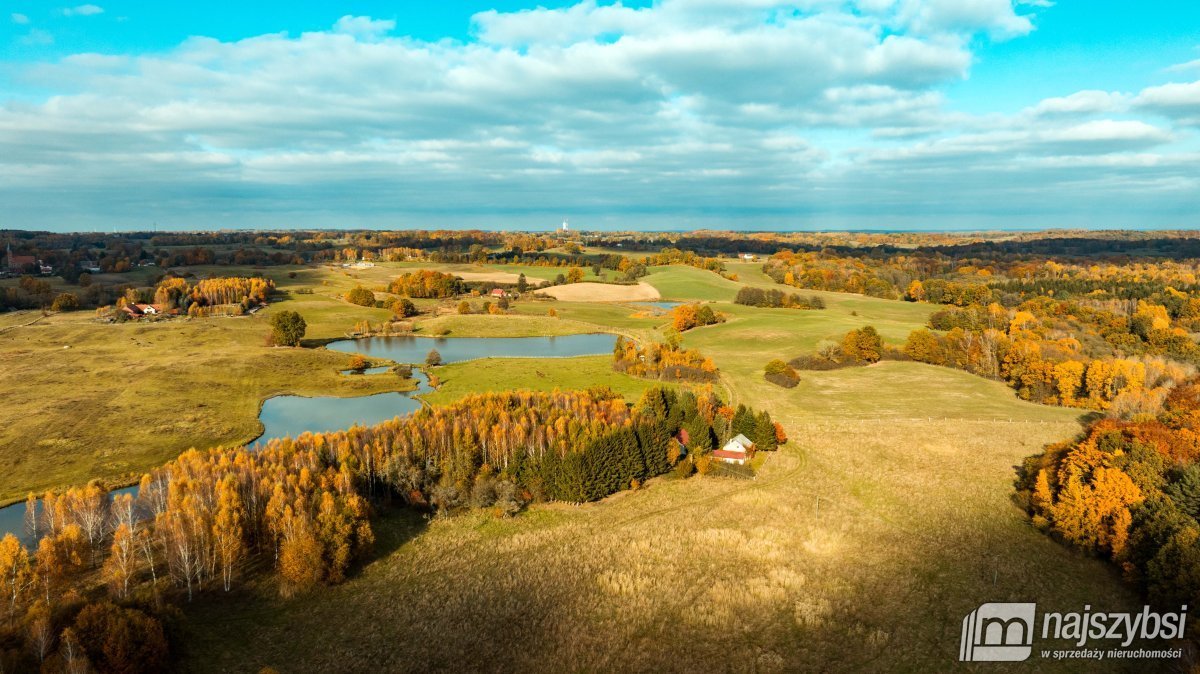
737 450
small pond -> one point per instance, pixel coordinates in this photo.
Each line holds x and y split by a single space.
665 306
409 349
284 416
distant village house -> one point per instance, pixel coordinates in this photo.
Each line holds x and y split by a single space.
141 310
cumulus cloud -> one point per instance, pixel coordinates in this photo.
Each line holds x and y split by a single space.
686 112
996 17
363 27
83 10
1180 100
1082 102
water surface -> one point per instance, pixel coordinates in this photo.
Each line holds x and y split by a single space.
409 349
284 416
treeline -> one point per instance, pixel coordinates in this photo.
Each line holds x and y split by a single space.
772 298
667 361
426 284
1129 491
301 506
1064 353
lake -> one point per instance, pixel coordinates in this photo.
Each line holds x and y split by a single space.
409 349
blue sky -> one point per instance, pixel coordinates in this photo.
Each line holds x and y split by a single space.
740 114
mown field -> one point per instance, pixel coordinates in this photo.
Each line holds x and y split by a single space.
859 546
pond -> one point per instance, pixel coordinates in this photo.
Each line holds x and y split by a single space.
284 416
665 306
456 349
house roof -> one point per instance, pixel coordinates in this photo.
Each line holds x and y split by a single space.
742 440
726 454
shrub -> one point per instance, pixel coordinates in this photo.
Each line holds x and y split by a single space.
781 374
433 358
65 302
404 307
361 296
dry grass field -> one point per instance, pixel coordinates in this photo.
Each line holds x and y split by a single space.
602 292
859 547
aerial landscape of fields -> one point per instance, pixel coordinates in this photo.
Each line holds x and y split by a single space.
599 336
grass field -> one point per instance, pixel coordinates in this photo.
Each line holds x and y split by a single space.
538 374
859 546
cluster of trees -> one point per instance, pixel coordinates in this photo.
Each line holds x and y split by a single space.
1129 491
301 506
230 294
29 293
671 255
757 297
361 296
427 284
687 316
780 373
862 346
667 361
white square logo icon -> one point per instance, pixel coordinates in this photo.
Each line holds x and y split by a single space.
998 633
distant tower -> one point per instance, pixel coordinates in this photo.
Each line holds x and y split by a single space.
8 256
565 226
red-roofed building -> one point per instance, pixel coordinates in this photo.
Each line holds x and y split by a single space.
738 450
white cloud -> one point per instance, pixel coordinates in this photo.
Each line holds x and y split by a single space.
1188 66
995 17
715 107
83 10
19 19
1180 100
1082 102
363 27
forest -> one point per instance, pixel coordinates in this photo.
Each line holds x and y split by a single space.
1128 491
